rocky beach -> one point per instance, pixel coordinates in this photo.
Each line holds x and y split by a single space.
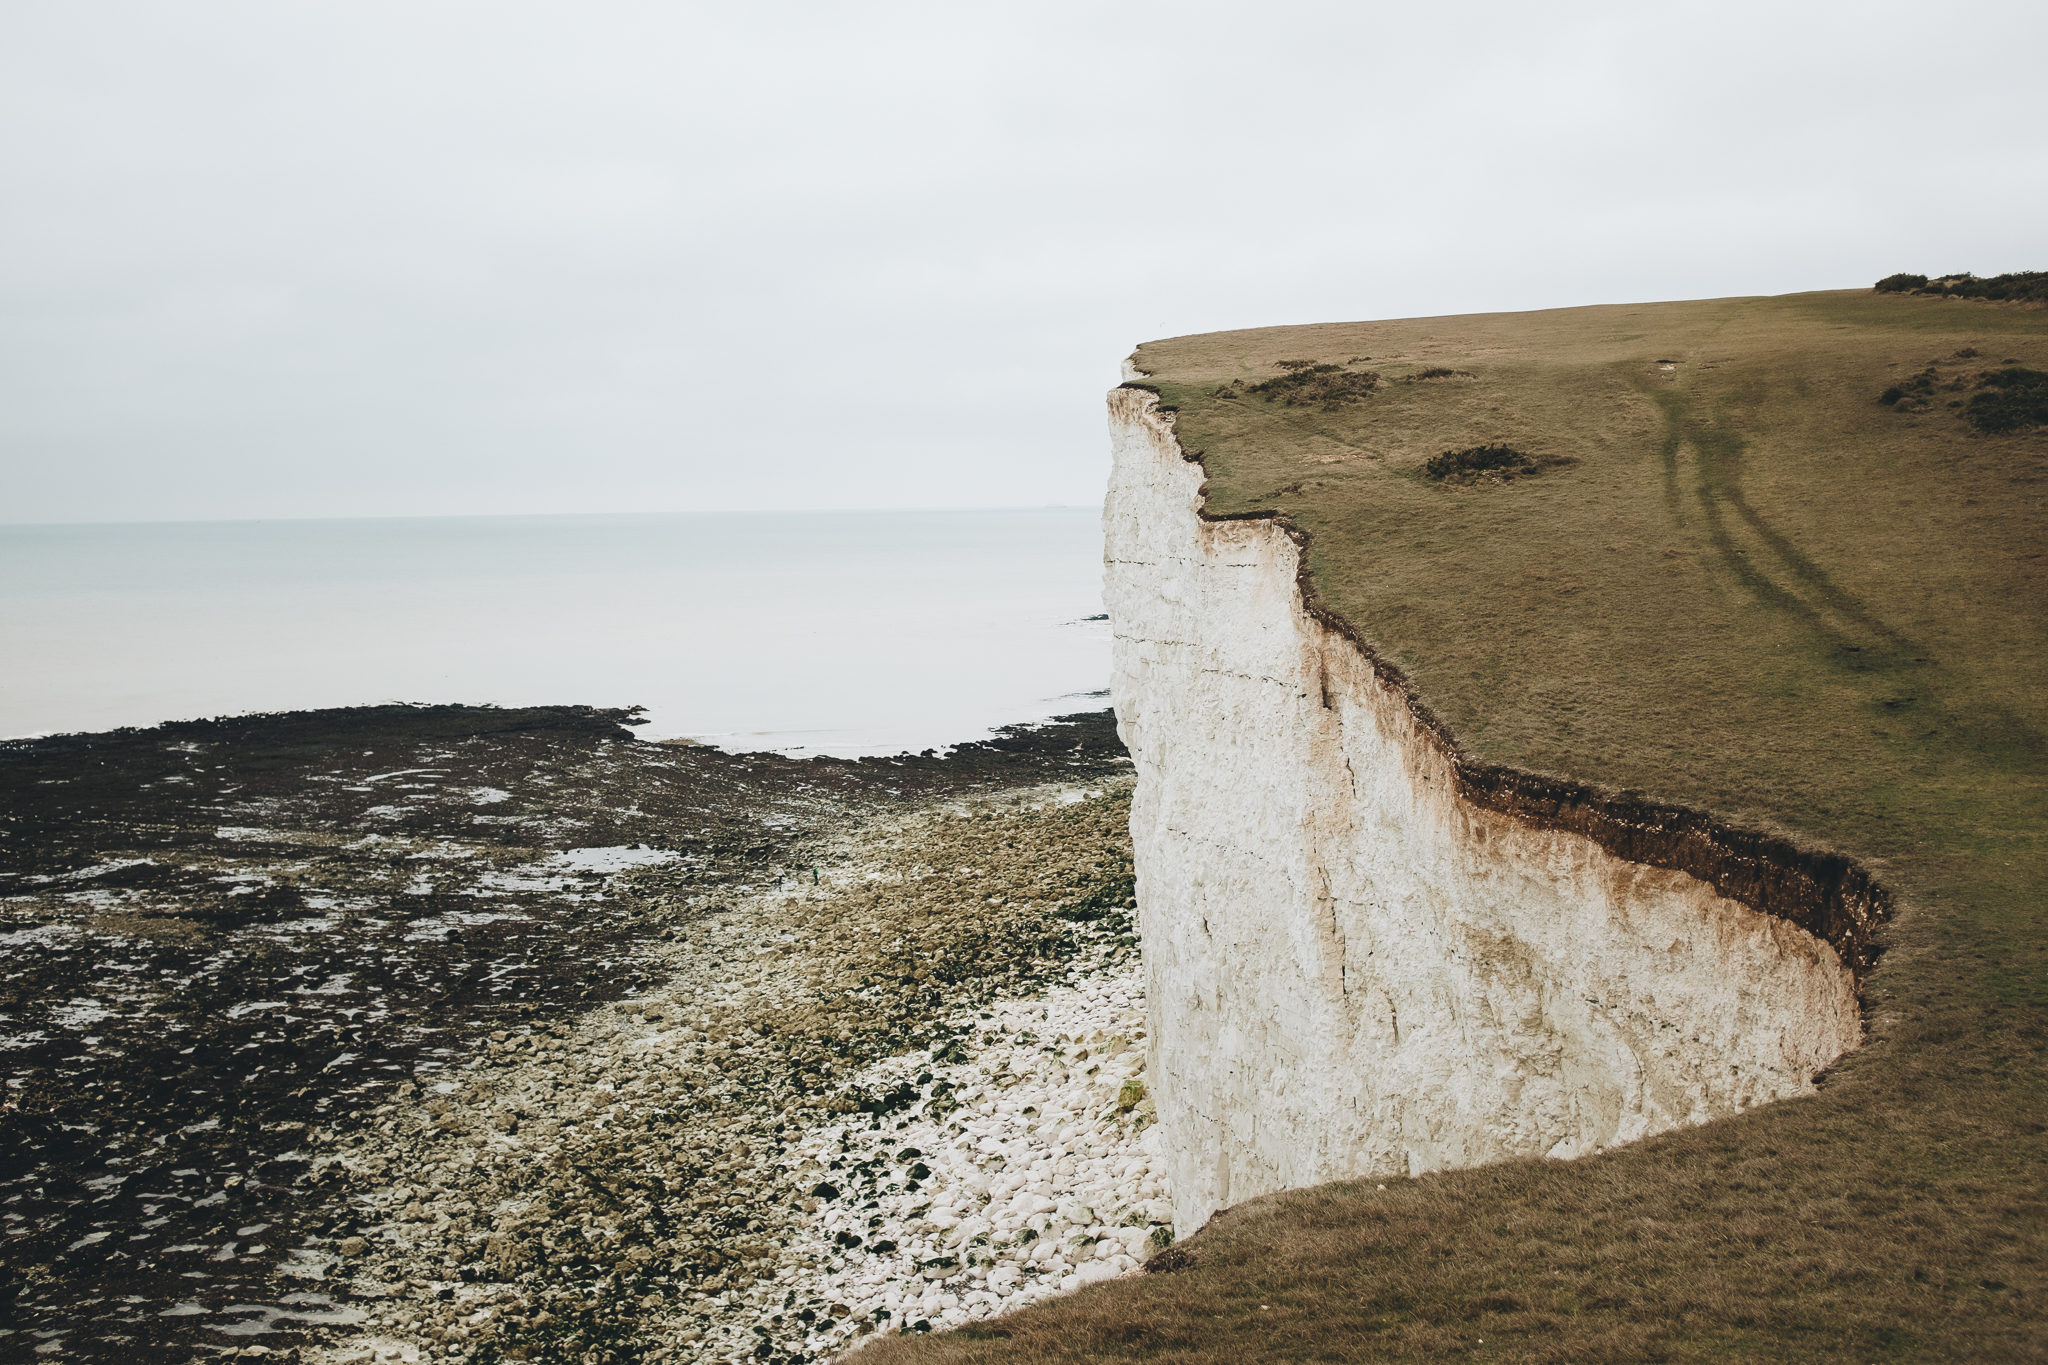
412 1033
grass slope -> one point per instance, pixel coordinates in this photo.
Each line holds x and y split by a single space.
1740 582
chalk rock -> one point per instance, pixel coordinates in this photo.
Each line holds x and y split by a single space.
1351 969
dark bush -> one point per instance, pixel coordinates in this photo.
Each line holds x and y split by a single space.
1328 387
1437 372
1914 395
2030 286
1497 461
2019 286
2011 399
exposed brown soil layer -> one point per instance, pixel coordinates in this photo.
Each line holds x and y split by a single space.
224 940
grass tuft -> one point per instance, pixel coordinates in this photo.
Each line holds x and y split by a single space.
1915 394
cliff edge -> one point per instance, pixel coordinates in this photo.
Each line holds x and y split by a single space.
1354 967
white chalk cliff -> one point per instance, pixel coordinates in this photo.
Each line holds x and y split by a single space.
1354 969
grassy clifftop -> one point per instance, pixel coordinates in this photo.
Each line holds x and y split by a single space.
1690 550
1741 582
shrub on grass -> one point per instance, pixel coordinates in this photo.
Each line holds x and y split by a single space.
1326 386
2030 286
1488 461
2019 286
1912 395
1437 372
2011 399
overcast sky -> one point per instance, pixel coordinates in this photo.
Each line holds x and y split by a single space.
290 259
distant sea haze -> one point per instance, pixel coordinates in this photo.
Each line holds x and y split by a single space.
841 633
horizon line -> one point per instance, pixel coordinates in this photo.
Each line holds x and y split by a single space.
556 516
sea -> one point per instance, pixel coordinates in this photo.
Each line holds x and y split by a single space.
841 633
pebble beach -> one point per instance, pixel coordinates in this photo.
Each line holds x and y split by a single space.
895 1096
592 1050
1041 1181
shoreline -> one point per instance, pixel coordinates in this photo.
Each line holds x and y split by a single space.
844 744
232 942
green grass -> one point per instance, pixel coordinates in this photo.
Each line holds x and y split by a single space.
1747 587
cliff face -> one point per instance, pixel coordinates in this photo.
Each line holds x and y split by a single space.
1353 967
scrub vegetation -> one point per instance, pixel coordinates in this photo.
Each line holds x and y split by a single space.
2030 286
2004 400
1482 462
1754 591
2011 399
1308 382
